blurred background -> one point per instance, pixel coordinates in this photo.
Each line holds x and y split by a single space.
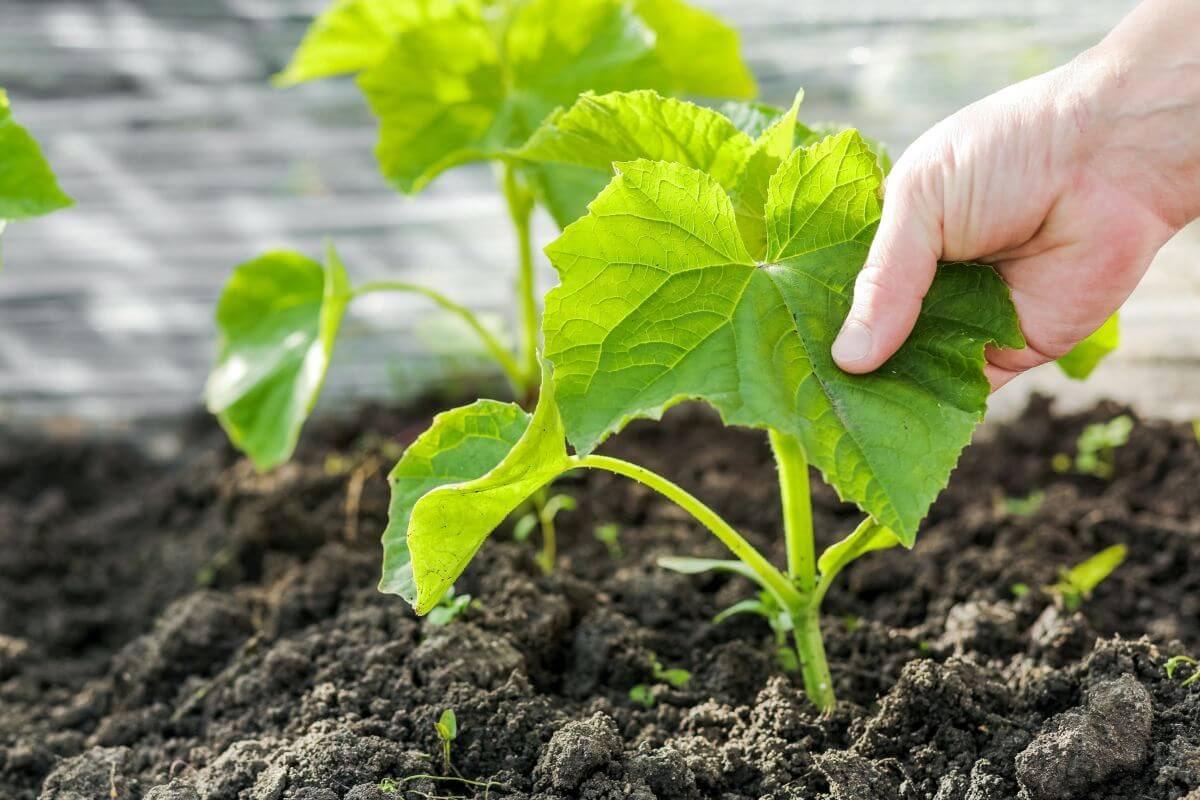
158 117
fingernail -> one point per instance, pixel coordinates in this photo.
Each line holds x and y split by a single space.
853 343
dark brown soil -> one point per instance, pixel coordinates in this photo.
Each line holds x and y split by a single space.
191 630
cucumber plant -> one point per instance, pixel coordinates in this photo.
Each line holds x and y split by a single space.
715 266
28 187
1076 584
451 82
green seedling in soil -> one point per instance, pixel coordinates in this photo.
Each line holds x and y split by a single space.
716 266
28 187
1023 506
449 607
643 693
451 82
1096 448
545 509
389 786
609 535
1075 585
1196 430
1175 662
447 731
1019 589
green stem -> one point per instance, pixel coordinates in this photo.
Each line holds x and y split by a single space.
814 667
520 209
546 511
518 379
771 577
792 463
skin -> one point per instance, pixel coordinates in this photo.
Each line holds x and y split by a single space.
1068 183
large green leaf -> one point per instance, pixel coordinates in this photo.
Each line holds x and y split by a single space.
28 187
599 130
661 301
460 86
1084 357
457 482
278 316
352 35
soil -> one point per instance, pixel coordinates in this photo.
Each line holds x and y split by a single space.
188 629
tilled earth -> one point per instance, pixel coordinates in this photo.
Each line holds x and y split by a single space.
191 630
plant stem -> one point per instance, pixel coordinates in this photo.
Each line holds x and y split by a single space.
520 209
516 378
792 463
545 514
771 577
818 684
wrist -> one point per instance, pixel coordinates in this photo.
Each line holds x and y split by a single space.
1137 104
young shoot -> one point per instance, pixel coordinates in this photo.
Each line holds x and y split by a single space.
452 82
609 535
1095 450
1025 506
716 266
1075 585
447 731
1175 662
545 509
643 693
448 608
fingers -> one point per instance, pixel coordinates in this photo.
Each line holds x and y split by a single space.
898 273
1004 365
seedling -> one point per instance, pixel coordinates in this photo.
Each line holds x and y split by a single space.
1023 506
1175 662
1075 585
716 266
543 514
643 694
1019 590
449 607
28 187
1196 430
447 731
451 82
609 535
1095 450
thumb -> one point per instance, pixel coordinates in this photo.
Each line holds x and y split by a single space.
899 270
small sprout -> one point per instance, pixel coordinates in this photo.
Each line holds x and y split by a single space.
643 695
1019 589
448 608
1023 506
1175 662
609 534
1196 430
525 526
1077 583
851 623
389 786
1096 447
543 514
447 730
1061 463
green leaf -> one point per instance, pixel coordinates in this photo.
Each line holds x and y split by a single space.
564 190
447 725
660 302
278 317
599 130
686 565
353 35
438 94
699 51
750 605
868 537
457 482
28 187
445 96
1084 357
771 147
1087 575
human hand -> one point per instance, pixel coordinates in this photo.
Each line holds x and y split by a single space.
1068 184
